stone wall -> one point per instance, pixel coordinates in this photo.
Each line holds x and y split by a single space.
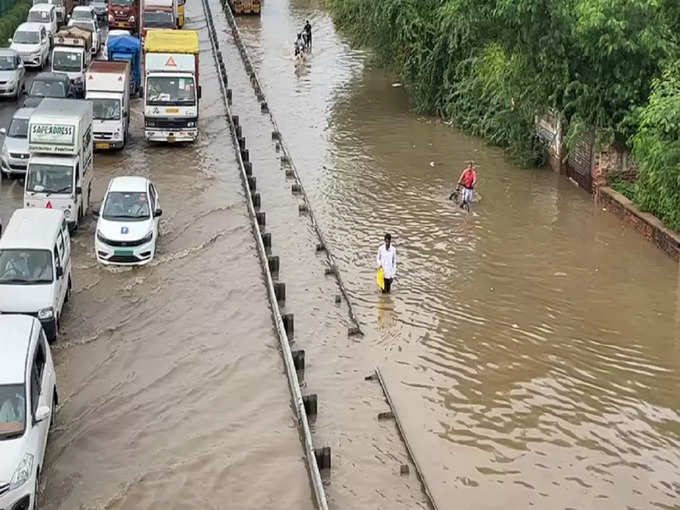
615 160
647 224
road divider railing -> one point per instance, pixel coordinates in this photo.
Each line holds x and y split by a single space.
289 167
305 406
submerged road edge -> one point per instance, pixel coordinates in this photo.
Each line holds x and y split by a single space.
293 383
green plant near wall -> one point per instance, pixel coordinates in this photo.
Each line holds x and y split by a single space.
656 148
10 20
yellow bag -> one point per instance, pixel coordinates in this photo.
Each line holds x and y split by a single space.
380 278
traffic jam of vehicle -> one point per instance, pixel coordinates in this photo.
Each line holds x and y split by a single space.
73 71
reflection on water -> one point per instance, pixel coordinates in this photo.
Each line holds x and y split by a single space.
537 338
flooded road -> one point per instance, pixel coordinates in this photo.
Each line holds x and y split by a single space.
173 392
532 347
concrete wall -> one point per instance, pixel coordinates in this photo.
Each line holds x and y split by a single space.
645 223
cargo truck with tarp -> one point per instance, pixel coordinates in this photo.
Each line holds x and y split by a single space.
171 86
60 169
127 48
245 6
71 55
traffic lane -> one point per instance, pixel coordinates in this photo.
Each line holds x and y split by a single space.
9 106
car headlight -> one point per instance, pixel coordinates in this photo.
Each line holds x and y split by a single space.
132 19
67 213
191 124
23 472
46 313
148 237
100 237
110 18
150 123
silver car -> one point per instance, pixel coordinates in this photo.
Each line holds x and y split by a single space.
14 155
12 74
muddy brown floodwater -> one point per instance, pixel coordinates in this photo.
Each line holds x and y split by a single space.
533 346
173 392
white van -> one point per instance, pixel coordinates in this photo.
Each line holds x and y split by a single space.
46 15
35 266
28 407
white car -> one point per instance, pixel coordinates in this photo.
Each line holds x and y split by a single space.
112 33
127 228
32 43
46 15
12 74
28 403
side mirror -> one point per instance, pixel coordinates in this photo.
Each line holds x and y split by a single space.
95 212
3 132
79 190
125 113
42 413
9 40
200 89
60 272
159 212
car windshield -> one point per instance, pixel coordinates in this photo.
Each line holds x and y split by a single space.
66 61
99 2
170 90
48 88
121 205
12 411
105 109
38 16
81 15
25 267
23 37
159 19
49 179
86 24
18 128
7 63
122 2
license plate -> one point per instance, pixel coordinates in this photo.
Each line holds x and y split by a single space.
171 138
124 253
172 110
102 145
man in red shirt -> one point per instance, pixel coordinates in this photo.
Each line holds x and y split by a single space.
468 180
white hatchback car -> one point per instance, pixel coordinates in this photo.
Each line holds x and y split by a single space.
127 228
28 403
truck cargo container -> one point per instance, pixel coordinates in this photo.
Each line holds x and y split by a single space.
171 85
60 169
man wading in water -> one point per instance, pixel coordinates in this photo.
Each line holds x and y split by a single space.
468 180
387 259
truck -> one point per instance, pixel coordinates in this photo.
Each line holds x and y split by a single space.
245 6
63 7
124 14
160 14
60 170
71 55
107 87
171 85
126 48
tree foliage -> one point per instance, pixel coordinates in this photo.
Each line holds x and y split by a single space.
657 149
493 65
